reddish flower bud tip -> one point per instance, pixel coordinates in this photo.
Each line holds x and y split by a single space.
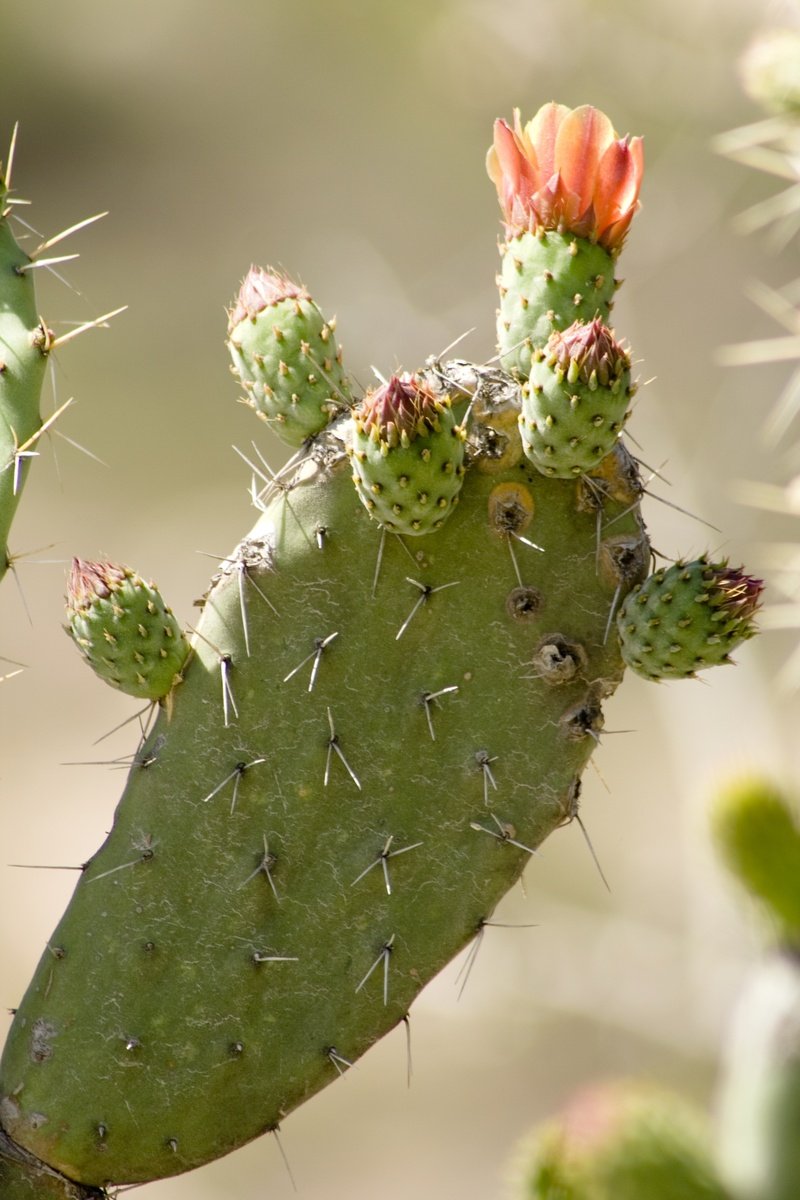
399 409
261 288
90 581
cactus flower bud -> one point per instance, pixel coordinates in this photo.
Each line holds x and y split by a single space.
286 356
689 617
576 400
407 453
567 170
124 629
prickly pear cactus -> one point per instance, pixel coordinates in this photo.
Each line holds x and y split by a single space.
388 706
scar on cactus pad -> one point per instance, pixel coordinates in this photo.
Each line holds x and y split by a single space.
410 649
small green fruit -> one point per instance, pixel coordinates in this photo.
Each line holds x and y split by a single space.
286 356
407 453
686 618
124 629
576 400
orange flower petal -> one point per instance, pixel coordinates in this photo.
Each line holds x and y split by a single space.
541 132
583 138
619 178
509 168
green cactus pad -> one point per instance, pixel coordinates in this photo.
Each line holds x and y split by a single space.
758 835
686 618
25 344
124 629
407 453
576 400
234 945
621 1141
549 280
286 356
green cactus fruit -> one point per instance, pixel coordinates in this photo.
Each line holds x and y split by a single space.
758 1106
758 836
25 343
620 1141
687 617
286 356
576 400
354 771
407 453
548 281
124 630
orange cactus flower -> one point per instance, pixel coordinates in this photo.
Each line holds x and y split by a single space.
567 170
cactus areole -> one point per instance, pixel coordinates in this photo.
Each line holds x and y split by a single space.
395 685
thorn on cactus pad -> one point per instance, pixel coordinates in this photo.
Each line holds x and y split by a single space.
320 645
267 862
384 956
335 748
426 590
428 700
337 1060
382 859
505 833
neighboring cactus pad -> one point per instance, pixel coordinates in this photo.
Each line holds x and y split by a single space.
568 188
286 356
576 400
124 629
758 835
621 1141
25 344
686 618
407 453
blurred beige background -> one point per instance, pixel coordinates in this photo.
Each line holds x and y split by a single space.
344 140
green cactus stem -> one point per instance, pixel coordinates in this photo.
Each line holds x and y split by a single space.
124 630
621 1141
25 343
548 281
576 400
286 356
686 618
407 453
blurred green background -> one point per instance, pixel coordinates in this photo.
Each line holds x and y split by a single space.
345 141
